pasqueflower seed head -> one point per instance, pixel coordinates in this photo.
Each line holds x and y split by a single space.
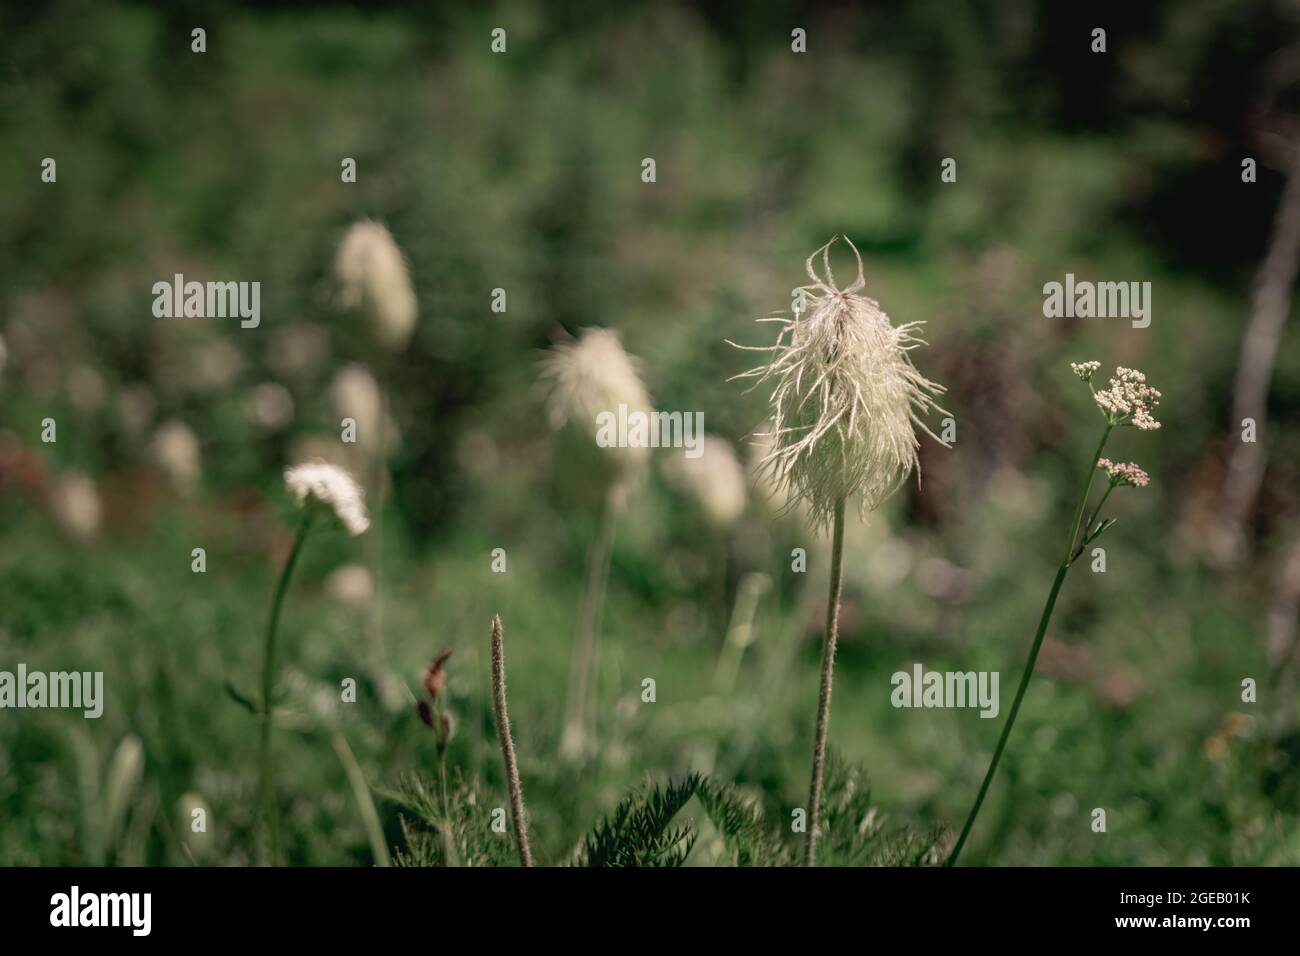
846 399
590 375
373 275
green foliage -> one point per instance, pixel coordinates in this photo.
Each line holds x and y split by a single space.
640 833
856 831
465 838
748 838
520 172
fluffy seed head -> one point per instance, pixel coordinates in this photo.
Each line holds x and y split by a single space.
846 398
373 276
590 375
317 483
75 503
175 450
716 480
1124 473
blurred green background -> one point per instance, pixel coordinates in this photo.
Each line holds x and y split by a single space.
522 171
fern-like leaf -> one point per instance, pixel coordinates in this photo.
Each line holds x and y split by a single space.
639 831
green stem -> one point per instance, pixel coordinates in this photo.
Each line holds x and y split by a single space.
1043 621
267 788
828 673
448 837
1083 498
575 741
1090 525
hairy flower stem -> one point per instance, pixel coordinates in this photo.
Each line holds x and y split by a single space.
1071 552
270 814
508 743
828 673
574 742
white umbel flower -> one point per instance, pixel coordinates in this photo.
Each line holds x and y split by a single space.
372 272
846 400
319 484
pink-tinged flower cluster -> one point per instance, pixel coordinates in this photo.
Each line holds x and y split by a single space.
1124 473
1084 369
1129 400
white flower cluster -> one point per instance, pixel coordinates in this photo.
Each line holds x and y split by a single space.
1124 473
1129 400
318 483
1084 369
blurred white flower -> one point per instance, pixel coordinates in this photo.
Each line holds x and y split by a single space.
318 483
86 388
195 819
355 394
297 349
373 276
716 480
592 375
135 408
175 450
272 406
74 502
350 584
214 366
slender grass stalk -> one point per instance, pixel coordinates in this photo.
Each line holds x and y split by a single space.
365 804
448 835
1072 551
740 631
507 742
269 811
828 673
575 740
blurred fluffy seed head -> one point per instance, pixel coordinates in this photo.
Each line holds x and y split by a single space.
846 399
320 484
175 450
716 480
351 584
590 375
74 502
272 406
355 394
198 840
373 276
